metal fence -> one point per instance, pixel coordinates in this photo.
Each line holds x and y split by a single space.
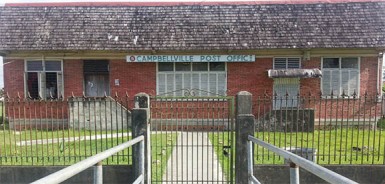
63 131
194 141
329 130
325 129
70 171
295 163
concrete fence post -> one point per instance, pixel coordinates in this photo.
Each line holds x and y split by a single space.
140 118
243 128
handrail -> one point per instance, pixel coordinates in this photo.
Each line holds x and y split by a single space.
72 170
316 169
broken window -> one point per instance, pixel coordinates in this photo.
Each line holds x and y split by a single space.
44 79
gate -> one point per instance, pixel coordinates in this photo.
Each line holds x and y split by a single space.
192 139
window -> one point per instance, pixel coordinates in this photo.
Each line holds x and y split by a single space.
44 79
199 78
287 63
286 85
340 75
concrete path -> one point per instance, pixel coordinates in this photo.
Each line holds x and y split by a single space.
193 160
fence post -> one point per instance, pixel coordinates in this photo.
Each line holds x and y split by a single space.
243 128
294 173
140 117
98 173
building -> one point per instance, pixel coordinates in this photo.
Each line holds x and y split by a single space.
52 50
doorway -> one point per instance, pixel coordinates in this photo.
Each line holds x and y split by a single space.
287 90
96 78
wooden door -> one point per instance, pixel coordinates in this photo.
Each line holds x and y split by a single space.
97 85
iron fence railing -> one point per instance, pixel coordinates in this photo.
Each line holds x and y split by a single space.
63 131
295 161
332 130
194 139
328 129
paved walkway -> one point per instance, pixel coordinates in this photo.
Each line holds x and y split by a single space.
193 160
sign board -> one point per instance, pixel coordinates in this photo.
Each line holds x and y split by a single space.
190 58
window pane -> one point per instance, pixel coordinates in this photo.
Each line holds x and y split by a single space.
331 63
353 82
204 80
187 81
34 66
179 84
279 63
170 84
293 63
60 84
182 67
162 83
196 83
349 63
53 66
51 85
200 66
345 78
336 86
213 84
165 67
222 84
33 85
217 66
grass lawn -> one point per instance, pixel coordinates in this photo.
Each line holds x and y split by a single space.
60 151
219 140
161 147
334 146
68 152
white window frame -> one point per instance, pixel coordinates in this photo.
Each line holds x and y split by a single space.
327 95
191 72
287 62
41 94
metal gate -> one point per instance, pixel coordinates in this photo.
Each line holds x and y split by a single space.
192 139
